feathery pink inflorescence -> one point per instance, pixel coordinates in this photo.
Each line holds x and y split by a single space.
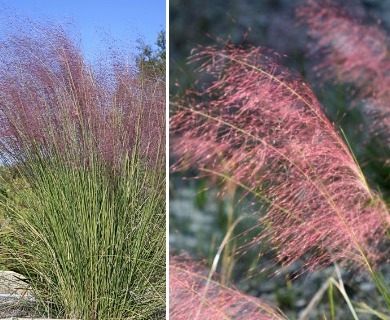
352 53
51 99
191 295
259 126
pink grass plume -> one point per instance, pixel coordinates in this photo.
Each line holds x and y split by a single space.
254 123
354 53
193 296
52 100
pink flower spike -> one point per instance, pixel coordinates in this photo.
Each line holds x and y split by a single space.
192 296
258 125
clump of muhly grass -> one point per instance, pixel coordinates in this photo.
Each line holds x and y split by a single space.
259 126
88 232
195 295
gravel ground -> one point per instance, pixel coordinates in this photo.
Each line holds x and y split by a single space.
14 298
16 306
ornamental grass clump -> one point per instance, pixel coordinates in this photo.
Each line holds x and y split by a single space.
88 229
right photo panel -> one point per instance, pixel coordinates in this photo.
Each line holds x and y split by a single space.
279 159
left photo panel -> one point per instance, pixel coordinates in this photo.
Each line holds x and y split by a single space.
83 160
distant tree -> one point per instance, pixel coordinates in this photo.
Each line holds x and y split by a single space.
152 62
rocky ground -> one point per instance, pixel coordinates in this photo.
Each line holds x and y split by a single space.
14 298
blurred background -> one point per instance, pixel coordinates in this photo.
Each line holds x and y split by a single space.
199 218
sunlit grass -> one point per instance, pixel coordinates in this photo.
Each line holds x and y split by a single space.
85 224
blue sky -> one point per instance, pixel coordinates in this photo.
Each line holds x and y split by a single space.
124 21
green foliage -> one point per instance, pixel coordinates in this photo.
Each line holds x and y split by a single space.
285 296
152 62
91 243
